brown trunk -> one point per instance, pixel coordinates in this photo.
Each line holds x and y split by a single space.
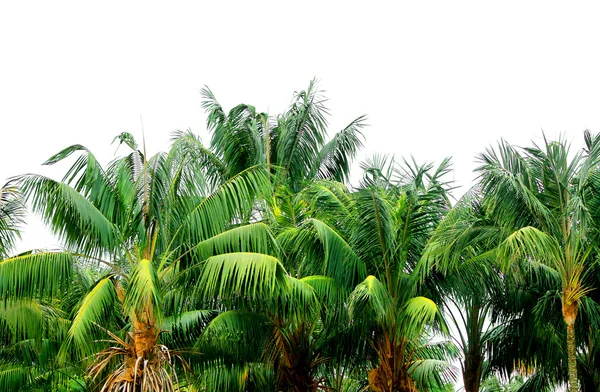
391 375
298 380
296 366
145 337
570 315
472 372
380 380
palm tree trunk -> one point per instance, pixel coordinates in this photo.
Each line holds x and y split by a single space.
570 315
573 380
472 372
391 375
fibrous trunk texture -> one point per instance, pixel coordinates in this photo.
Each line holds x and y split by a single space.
570 315
391 375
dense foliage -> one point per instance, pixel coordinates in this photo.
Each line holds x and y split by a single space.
252 264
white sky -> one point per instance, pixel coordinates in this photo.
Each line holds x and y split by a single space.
436 78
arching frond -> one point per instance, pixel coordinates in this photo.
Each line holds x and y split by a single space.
98 302
35 274
371 296
531 244
187 148
234 199
253 275
416 314
336 156
255 237
236 334
13 376
70 215
300 134
189 322
432 372
12 218
326 289
143 292
374 232
27 319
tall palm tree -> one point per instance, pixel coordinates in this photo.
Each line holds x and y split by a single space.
293 147
299 315
492 312
139 224
372 247
538 196
394 221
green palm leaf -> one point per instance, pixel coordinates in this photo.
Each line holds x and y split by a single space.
371 296
12 217
335 156
94 307
70 215
43 274
143 291
241 274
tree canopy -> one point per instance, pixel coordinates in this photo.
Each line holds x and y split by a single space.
268 261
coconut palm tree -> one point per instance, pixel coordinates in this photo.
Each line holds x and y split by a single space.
505 320
371 246
538 196
294 141
482 302
393 222
138 225
299 317
294 149
292 145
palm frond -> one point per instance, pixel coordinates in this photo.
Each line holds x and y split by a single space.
300 133
371 296
69 215
235 333
416 314
97 303
531 244
143 291
245 274
232 200
35 274
12 217
337 155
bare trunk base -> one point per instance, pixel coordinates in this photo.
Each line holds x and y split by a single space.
381 380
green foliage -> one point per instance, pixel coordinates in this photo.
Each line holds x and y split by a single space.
248 265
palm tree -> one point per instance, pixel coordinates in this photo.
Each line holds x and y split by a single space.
296 317
137 226
492 313
381 230
293 145
393 222
294 141
30 318
538 196
294 149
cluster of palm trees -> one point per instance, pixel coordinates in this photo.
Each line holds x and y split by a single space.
251 264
